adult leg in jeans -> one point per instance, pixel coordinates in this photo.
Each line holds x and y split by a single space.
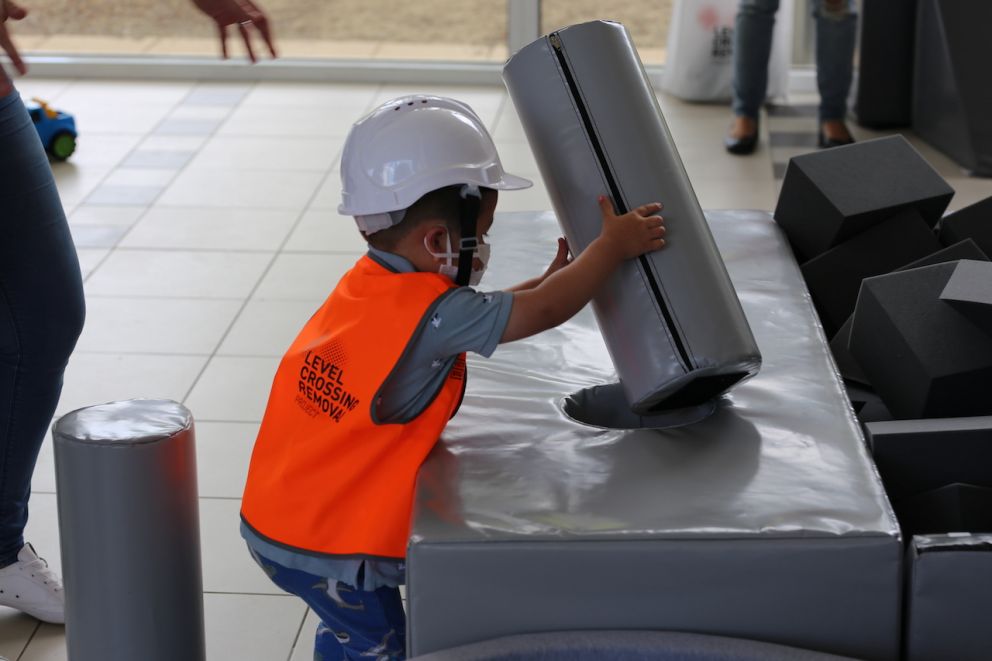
41 312
752 48
836 35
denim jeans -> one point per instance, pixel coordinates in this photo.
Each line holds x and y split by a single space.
354 624
836 32
41 311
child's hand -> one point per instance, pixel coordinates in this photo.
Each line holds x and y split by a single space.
561 259
634 233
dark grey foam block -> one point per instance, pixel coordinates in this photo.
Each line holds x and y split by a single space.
868 406
848 366
916 456
970 291
971 222
834 277
885 63
952 107
921 355
832 195
948 597
951 508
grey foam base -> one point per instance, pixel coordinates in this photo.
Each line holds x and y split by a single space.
624 644
780 590
766 520
948 598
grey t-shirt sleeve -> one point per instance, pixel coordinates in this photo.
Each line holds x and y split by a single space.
464 320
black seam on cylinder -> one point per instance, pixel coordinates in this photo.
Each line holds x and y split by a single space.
619 201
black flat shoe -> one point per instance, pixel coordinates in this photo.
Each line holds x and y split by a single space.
742 146
823 143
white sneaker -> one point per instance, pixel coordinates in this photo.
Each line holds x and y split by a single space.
31 587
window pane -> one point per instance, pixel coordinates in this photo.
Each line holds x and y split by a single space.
647 20
377 29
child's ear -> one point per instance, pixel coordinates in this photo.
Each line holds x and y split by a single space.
435 238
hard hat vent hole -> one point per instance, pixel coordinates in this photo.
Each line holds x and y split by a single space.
606 407
409 103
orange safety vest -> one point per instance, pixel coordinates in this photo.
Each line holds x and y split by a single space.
326 478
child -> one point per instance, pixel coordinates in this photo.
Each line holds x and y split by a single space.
369 384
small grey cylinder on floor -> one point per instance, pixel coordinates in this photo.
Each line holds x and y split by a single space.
128 517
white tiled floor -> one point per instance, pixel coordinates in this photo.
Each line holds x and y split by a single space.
205 219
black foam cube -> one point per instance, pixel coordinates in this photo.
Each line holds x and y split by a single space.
952 106
948 598
921 355
970 291
950 508
846 363
972 222
834 277
831 195
867 405
917 456
885 63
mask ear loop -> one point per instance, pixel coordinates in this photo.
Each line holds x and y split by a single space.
471 202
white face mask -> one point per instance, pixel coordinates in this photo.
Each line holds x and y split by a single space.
448 268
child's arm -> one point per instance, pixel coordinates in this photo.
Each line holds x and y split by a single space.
565 292
560 261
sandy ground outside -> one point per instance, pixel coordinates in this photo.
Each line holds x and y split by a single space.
473 23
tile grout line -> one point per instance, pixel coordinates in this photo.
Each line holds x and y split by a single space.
299 632
178 171
268 268
28 642
124 158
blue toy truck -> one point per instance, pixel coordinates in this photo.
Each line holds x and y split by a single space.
56 129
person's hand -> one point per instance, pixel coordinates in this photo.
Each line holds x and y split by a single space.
242 13
9 10
635 232
561 259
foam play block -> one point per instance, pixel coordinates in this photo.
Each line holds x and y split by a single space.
831 195
673 345
767 520
867 405
917 456
972 222
848 366
834 277
970 291
951 508
948 598
921 355
952 107
885 63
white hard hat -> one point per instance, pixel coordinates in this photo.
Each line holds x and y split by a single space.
409 147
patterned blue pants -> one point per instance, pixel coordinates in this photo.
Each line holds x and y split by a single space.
354 624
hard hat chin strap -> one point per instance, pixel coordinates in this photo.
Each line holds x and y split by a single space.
471 202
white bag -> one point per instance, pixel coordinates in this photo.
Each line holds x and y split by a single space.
699 66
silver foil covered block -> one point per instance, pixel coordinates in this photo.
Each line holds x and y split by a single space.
671 319
766 520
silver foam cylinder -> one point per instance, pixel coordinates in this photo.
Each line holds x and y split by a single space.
127 498
671 319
